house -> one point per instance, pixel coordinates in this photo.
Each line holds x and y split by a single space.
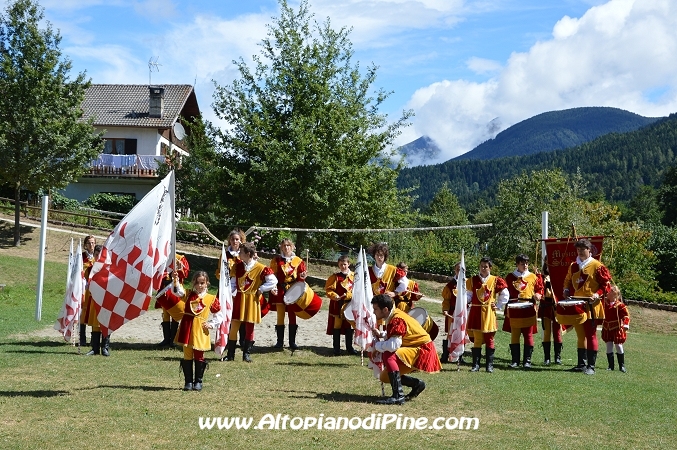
141 125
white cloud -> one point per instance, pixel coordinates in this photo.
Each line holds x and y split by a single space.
483 66
617 54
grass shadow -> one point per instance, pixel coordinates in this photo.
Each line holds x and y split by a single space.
7 234
35 394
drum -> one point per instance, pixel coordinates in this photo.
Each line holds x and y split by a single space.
572 312
302 301
521 314
428 324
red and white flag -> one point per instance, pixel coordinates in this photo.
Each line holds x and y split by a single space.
359 309
226 301
134 258
75 289
458 336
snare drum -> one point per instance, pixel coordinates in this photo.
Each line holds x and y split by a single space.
572 312
302 301
428 324
521 314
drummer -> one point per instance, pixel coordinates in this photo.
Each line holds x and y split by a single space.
339 289
288 269
590 279
523 287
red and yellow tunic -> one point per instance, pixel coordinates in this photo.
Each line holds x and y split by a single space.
231 258
197 308
287 273
546 307
482 316
182 274
339 289
449 302
386 283
88 312
405 300
246 304
523 288
615 317
592 279
417 350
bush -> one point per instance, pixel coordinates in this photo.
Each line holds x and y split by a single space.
119 203
62 202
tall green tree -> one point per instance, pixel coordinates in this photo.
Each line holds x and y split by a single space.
307 146
44 143
667 196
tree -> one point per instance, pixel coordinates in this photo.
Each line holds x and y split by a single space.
44 143
307 146
667 196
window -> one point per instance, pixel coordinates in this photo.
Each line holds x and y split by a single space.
117 146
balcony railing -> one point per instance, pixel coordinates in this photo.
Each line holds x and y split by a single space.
130 166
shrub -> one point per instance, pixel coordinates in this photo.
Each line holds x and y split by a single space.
119 203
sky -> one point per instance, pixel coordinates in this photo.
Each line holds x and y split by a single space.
467 68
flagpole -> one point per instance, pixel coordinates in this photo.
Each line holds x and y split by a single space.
41 258
173 207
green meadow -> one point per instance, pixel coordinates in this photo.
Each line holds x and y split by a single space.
53 398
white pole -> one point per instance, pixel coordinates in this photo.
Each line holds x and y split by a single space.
41 257
544 234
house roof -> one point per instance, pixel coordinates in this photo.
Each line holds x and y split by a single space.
128 105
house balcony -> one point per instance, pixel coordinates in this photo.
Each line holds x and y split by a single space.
125 166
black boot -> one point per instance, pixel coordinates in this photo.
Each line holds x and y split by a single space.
490 360
580 366
349 342
592 358
242 334
336 341
526 360
166 335
396 385
83 335
445 351
96 344
230 351
247 350
292 337
515 354
279 330
417 386
173 329
476 356
621 362
610 360
558 353
200 367
546 353
187 366
105 346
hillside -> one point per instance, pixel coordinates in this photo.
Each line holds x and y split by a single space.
615 164
556 130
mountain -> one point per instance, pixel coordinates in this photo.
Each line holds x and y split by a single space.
422 149
616 165
557 130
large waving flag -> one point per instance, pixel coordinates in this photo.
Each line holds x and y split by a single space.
75 288
226 301
458 336
134 258
359 309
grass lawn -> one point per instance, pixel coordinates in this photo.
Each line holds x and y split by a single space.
52 398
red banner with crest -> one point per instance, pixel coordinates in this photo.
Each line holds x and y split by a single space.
561 253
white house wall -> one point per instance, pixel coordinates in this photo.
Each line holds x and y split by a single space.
86 187
148 140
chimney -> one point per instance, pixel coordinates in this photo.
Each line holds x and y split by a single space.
157 101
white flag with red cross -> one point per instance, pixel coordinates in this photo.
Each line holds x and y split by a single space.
134 258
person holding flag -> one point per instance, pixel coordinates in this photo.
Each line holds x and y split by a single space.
199 316
90 318
169 325
405 348
588 278
232 255
87 262
449 295
486 293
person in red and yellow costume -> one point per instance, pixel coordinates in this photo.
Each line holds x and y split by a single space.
248 280
551 328
448 307
486 294
88 314
589 278
525 289
169 325
614 327
88 260
406 347
199 316
339 289
407 291
288 269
